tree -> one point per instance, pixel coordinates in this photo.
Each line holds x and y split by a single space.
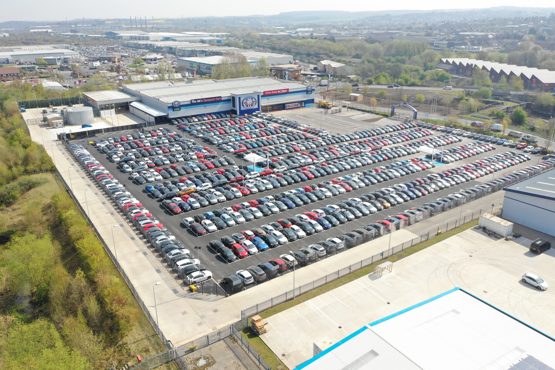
545 102
483 93
261 69
41 62
519 116
469 105
419 98
38 346
516 83
481 78
505 122
373 102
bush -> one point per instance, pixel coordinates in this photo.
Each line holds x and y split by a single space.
519 116
10 193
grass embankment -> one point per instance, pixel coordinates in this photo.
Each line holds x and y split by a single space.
270 357
63 304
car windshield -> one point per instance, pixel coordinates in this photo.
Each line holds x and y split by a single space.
539 280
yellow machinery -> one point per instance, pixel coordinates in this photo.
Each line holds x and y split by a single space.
324 104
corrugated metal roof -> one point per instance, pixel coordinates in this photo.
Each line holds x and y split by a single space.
539 186
169 92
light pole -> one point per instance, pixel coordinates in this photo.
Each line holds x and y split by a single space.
114 242
294 264
155 304
87 204
492 205
390 235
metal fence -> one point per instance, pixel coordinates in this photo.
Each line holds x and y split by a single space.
384 255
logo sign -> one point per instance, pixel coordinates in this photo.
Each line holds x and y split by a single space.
206 100
275 92
176 105
249 102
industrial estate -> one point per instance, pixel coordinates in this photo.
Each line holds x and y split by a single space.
379 195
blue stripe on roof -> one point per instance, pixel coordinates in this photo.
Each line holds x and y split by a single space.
509 315
331 348
377 322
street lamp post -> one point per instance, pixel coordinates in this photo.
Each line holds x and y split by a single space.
390 236
86 203
114 242
155 303
492 205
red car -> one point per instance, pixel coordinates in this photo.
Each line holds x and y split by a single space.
282 266
285 223
239 251
311 215
267 171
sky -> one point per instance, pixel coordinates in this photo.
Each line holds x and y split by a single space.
42 10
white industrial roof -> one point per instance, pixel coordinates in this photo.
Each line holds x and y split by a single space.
211 60
332 64
454 330
544 75
169 92
110 96
145 108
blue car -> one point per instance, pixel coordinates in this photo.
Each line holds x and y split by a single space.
259 243
149 188
324 223
288 202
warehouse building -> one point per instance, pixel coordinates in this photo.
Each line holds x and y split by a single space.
28 54
205 65
531 203
162 100
532 78
454 330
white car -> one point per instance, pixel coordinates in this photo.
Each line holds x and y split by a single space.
273 208
279 236
318 249
228 220
535 281
252 175
289 260
245 276
300 233
315 225
185 262
249 246
209 226
204 186
267 228
198 277
239 219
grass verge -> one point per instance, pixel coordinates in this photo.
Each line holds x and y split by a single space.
263 350
270 357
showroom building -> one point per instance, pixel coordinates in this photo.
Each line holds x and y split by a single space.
531 203
156 102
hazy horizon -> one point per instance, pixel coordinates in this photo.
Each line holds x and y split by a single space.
30 10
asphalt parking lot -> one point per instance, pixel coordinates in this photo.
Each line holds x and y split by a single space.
220 269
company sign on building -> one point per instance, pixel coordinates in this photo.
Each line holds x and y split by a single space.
247 103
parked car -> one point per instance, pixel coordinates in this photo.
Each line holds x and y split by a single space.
535 281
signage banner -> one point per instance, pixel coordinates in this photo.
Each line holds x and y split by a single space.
275 92
206 100
176 106
293 105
